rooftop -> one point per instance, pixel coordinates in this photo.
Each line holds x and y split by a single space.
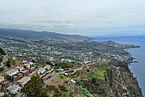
13 87
24 79
12 72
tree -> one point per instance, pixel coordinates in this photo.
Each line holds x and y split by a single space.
49 63
52 88
12 61
58 91
1 69
35 87
1 59
65 65
63 88
8 63
2 51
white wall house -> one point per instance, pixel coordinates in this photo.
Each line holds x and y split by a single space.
41 70
13 89
12 72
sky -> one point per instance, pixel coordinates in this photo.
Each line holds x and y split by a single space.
83 17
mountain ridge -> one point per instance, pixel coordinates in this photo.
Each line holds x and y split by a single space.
39 35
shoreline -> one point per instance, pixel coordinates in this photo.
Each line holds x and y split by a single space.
129 83
134 79
138 67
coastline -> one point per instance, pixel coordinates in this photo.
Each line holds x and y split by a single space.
138 67
137 55
131 79
129 83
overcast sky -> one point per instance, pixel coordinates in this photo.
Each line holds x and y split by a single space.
85 17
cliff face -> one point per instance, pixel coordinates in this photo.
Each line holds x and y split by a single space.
118 82
122 80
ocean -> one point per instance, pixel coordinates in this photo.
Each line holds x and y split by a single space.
138 68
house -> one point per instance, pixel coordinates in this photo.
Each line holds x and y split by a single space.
41 70
24 80
2 79
73 81
12 72
47 67
13 89
20 68
14 58
24 61
27 66
17 77
32 69
66 74
6 83
2 94
31 63
31 74
25 72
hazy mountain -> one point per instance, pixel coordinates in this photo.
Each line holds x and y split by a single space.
39 35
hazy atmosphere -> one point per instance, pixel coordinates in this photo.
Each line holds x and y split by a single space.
84 17
72 48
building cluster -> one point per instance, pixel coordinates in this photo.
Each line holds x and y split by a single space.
14 79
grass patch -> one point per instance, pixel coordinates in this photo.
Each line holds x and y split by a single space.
62 76
103 67
86 92
76 74
98 74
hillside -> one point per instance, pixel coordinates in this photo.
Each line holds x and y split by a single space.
39 35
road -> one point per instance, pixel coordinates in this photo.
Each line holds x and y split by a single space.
55 74
58 73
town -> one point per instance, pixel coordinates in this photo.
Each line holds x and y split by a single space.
72 78
14 78
66 67
63 50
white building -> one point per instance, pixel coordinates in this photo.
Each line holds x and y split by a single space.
13 89
12 72
41 70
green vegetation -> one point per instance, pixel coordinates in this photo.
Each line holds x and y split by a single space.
59 91
49 63
75 74
1 59
86 92
62 76
40 62
12 61
62 88
2 51
1 69
35 87
65 65
52 87
98 74
37 65
8 64
103 67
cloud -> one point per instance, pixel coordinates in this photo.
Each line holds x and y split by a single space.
69 16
